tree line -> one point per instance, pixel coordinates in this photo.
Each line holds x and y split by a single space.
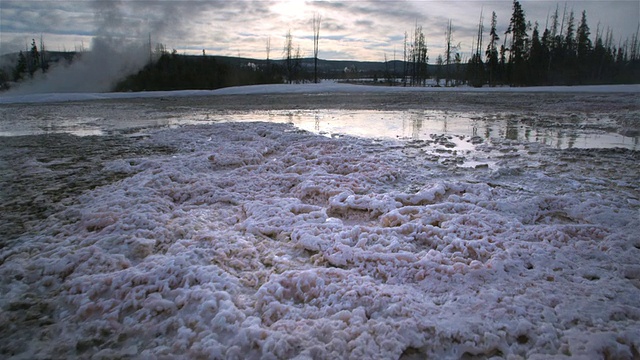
563 53
560 54
172 71
27 64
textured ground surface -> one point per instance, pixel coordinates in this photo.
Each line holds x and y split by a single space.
257 240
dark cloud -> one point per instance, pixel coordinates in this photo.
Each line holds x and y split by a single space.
244 25
368 24
329 5
332 25
47 16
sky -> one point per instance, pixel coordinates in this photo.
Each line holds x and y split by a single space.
350 30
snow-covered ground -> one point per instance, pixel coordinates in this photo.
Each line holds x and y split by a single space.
248 240
325 87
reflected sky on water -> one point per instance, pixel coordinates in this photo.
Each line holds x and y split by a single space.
401 125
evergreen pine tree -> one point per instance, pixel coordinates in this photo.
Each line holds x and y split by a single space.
584 48
584 43
546 42
502 64
518 30
492 51
569 40
34 58
536 60
553 43
570 70
21 67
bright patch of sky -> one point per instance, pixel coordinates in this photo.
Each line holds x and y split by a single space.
350 30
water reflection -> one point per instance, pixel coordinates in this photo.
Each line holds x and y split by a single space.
511 130
409 125
421 125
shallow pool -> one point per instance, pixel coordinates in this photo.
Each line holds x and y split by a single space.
561 131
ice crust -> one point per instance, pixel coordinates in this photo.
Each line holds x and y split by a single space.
257 241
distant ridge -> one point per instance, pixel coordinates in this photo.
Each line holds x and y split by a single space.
326 65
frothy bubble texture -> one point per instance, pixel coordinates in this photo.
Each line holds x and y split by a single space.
259 241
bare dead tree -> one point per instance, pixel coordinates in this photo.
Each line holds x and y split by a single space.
405 59
289 56
316 39
419 57
268 48
448 53
297 65
480 35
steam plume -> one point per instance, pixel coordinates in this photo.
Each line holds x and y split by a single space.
120 48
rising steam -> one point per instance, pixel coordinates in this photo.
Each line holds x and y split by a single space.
120 48
97 70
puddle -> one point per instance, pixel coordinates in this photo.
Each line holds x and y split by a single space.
400 125
423 125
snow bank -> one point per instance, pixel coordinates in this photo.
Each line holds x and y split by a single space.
255 240
325 87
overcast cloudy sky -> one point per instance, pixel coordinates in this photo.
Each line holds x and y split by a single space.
351 30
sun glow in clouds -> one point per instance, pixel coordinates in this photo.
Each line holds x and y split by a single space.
290 9
229 27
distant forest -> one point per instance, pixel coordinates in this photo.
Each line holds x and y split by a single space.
563 53
181 72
